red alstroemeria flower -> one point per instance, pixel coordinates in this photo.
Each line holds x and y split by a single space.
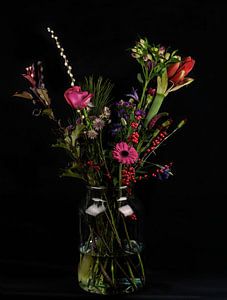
30 75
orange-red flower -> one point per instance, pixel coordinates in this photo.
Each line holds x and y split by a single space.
178 71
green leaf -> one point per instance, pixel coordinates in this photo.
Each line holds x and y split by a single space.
70 173
76 133
44 96
66 148
115 181
48 112
61 145
24 95
139 78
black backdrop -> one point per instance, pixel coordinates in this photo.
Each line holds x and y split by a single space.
185 217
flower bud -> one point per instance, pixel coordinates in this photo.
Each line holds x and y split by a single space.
123 122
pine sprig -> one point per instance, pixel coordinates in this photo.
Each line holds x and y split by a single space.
101 90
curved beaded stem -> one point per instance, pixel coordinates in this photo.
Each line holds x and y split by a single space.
66 62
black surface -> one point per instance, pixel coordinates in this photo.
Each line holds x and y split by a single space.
186 249
42 280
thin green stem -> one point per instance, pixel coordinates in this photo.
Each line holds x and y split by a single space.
102 152
131 273
108 279
144 160
143 93
87 118
141 264
112 271
120 175
124 272
126 231
112 224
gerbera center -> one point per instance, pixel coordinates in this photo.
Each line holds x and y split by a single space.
124 153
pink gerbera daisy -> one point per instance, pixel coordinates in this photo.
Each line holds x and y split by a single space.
124 153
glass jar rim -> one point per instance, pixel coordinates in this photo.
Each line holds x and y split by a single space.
101 188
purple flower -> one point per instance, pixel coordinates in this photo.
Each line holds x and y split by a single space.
151 91
150 65
116 128
133 94
164 175
140 113
164 172
69 128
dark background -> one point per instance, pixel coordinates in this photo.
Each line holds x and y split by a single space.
185 217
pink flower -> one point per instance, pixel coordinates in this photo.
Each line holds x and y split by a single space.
124 153
92 134
30 75
98 124
76 98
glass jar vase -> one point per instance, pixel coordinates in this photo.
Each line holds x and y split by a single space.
111 242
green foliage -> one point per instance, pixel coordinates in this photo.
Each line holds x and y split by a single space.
101 90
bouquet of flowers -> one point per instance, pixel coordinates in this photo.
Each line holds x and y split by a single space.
113 143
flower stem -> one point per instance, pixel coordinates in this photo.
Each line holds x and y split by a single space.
143 94
126 231
120 175
141 265
87 119
156 104
168 136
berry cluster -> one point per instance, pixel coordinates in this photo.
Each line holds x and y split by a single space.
157 141
128 176
133 217
141 177
134 137
163 172
134 125
91 164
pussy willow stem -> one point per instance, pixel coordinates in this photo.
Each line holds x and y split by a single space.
61 50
